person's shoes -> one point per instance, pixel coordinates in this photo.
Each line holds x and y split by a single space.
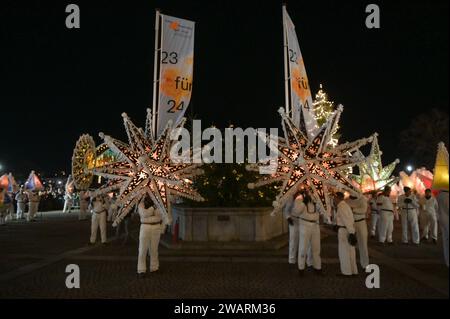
391 243
301 272
405 243
416 244
372 236
104 244
91 244
424 239
434 241
318 272
3 225
141 275
154 271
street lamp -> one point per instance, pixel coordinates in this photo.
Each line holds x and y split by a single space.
409 168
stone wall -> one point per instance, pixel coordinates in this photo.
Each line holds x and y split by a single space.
228 224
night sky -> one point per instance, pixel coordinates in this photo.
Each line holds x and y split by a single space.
56 83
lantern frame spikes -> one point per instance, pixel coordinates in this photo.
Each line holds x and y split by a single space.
311 164
372 175
144 167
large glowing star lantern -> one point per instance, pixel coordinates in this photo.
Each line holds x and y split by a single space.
419 180
33 183
142 167
311 164
440 181
372 175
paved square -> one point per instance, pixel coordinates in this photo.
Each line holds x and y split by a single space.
33 258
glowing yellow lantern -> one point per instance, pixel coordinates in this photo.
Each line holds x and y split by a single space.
440 181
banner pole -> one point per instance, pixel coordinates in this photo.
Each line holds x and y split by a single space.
286 68
155 74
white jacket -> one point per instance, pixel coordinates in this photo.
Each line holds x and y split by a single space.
149 215
358 206
430 206
408 207
344 217
384 204
308 212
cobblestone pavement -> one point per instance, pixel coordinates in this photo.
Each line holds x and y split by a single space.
33 258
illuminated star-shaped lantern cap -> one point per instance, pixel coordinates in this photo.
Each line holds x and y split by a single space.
8 182
33 182
144 168
311 164
372 175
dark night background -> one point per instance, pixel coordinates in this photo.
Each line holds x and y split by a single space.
58 83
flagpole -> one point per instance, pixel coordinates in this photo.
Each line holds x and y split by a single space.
155 73
286 67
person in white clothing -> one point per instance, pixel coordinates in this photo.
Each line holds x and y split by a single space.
359 207
9 204
309 233
292 216
149 236
98 209
429 208
68 203
387 214
3 208
113 209
21 199
84 205
346 236
409 209
374 214
442 200
33 205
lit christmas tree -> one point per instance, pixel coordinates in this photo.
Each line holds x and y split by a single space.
323 109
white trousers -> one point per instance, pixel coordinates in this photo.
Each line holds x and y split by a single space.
20 210
98 221
361 235
443 221
83 211
374 224
309 245
294 238
10 212
386 226
430 225
410 218
149 236
32 210
347 254
67 206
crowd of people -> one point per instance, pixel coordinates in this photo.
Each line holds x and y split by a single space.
24 205
353 218
27 202
419 216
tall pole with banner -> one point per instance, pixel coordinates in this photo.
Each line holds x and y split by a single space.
286 65
176 68
300 105
156 71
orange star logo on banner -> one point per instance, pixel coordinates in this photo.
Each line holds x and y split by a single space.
174 25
